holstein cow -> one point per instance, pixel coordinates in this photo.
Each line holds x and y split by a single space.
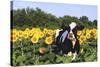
66 41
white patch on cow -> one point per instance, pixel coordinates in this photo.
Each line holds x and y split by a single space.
72 25
74 42
71 38
69 53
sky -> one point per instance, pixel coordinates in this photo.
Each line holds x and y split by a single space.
60 9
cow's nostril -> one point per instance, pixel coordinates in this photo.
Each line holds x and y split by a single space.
70 35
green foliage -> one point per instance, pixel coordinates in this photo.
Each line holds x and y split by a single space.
26 53
30 17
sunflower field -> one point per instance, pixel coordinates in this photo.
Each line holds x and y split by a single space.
33 37
33 46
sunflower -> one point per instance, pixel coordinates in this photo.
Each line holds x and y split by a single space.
42 50
84 31
92 33
14 32
31 33
87 31
25 35
37 30
20 33
81 42
82 39
50 32
41 34
45 30
33 30
14 35
34 39
94 29
36 35
27 30
88 35
49 40
14 38
79 33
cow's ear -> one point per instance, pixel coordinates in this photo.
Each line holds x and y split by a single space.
67 28
80 27
62 26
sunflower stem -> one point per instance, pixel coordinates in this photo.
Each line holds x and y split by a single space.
22 48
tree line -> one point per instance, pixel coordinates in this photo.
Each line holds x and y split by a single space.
29 17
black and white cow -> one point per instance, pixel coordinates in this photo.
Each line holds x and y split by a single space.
66 42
